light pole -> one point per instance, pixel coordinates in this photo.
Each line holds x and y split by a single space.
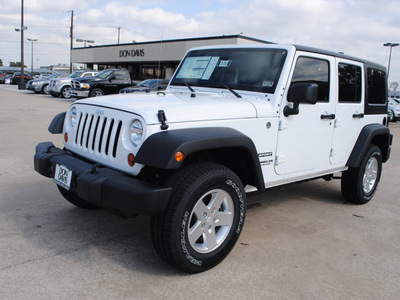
119 33
21 85
84 42
32 40
391 45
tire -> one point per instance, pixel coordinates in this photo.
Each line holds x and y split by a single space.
359 184
203 220
96 92
66 92
390 115
75 200
45 89
36 92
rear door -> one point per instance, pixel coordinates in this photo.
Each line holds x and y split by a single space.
349 119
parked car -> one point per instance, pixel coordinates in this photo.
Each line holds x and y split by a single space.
62 87
109 81
393 110
147 86
16 78
2 78
42 85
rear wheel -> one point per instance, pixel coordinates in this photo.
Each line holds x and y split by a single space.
75 200
203 220
359 184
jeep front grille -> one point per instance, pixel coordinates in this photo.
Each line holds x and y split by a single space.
98 134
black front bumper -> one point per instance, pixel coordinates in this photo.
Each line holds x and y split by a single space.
103 186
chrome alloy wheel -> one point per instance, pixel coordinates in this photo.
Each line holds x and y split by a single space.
370 175
210 221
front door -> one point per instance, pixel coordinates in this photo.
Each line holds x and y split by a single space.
305 139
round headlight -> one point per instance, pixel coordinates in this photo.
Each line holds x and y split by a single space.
136 132
72 116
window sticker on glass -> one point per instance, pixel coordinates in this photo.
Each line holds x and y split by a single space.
224 63
194 67
268 83
210 68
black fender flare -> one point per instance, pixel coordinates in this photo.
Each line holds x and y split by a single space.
373 133
159 149
56 125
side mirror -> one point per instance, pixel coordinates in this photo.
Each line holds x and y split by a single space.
112 77
300 93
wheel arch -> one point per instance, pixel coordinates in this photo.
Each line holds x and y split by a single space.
221 145
376 134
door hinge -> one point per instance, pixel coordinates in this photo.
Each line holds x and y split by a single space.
279 159
283 125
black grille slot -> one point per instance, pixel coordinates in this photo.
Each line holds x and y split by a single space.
98 133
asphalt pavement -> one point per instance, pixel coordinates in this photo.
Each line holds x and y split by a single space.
300 241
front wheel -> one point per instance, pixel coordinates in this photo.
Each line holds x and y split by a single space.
45 89
359 184
66 92
203 220
96 93
390 115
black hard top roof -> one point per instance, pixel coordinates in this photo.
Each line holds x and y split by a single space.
338 54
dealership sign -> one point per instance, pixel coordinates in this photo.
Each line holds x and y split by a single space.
131 53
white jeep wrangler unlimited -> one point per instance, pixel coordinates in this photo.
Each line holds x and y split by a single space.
234 119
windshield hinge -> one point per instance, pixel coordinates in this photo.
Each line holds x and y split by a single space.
163 119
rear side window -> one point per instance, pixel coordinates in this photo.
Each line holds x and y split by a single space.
313 70
349 83
376 91
121 75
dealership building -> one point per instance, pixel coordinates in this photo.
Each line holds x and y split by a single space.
157 59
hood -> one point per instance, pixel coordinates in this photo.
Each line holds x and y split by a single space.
179 107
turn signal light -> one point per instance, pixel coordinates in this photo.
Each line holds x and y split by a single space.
66 137
131 158
179 156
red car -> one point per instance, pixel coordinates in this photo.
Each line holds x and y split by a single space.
16 78
2 78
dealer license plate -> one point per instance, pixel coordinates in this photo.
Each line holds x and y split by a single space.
63 176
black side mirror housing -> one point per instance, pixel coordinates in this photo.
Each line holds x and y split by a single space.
112 77
300 93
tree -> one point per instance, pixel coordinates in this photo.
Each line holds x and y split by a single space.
16 64
393 85
1 63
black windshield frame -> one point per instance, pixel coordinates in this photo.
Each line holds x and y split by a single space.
246 69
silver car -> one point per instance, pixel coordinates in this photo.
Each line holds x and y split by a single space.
62 86
393 110
42 85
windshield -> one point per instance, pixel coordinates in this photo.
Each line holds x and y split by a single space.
76 74
251 69
147 83
104 74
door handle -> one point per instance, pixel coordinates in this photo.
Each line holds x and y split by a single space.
358 116
328 117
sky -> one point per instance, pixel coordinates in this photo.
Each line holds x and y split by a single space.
356 27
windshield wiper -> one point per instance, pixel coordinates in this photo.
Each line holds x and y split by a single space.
191 89
231 90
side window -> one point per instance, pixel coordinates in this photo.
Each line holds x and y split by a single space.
87 75
121 75
349 83
376 90
313 70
